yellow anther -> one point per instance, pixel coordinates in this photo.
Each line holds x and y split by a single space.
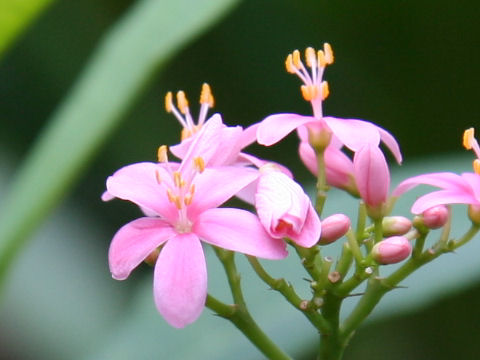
187 200
162 154
289 64
325 91
309 92
468 138
158 177
175 199
168 102
182 102
199 164
327 49
296 59
177 179
321 59
476 166
192 189
310 57
206 96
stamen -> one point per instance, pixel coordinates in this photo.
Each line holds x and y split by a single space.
168 102
182 102
296 59
324 89
310 57
328 53
162 154
158 177
177 179
289 64
321 58
192 189
199 164
187 200
309 92
468 138
476 166
206 96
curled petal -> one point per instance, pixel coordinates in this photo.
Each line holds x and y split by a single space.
391 143
238 230
473 180
180 280
444 180
275 127
353 133
442 197
134 242
311 230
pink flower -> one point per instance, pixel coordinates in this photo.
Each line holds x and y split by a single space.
392 250
456 189
284 209
372 175
352 133
185 199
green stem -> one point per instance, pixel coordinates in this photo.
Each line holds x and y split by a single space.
322 186
240 317
238 313
332 345
311 260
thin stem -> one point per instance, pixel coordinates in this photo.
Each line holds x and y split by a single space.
322 186
311 260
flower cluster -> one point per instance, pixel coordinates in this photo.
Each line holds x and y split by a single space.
182 205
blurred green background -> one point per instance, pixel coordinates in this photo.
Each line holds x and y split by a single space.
412 67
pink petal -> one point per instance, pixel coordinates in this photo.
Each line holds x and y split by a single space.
311 230
339 168
216 185
248 159
249 135
308 157
180 280
275 127
442 197
353 133
138 183
445 180
134 242
474 181
238 230
391 143
371 175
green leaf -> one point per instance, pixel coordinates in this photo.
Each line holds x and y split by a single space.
121 67
15 16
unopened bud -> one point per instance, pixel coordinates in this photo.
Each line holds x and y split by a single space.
474 213
392 250
395 225
436 216
333 228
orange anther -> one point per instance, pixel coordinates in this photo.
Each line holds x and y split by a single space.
289 64
182 102
310 57
327 49
468 138
206 96
168 102
476 166
325 91
199 164
296 59
162 154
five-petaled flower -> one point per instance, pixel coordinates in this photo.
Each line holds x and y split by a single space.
184 197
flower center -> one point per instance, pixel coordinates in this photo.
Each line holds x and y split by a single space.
182 113
314 89
181 189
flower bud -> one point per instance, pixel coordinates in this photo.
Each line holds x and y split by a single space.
436 216
395 225
474 213
333 228
392 250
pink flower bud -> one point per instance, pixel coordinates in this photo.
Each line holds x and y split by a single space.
372 177
474 213
392 250
333 228
395 225
435 217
